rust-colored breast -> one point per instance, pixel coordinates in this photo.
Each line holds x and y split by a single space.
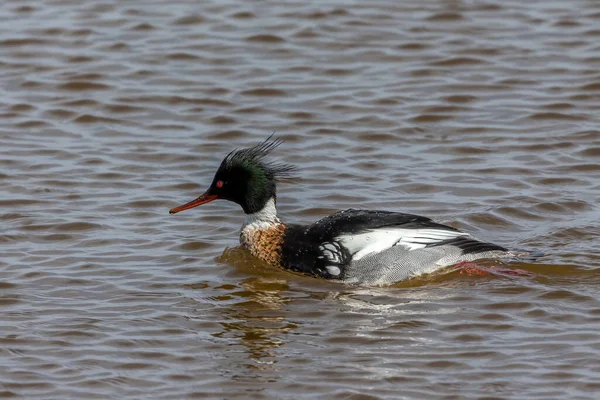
264 243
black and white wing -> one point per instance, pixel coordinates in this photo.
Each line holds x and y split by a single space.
377 240
359 233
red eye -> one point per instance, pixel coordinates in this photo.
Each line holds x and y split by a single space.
219 184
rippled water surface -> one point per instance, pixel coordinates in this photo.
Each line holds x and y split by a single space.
482 115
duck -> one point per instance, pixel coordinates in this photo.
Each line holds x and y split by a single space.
354 246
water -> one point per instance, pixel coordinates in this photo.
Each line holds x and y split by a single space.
480 115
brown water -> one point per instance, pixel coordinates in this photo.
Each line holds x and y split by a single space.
483 115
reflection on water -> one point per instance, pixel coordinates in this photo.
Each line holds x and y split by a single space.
257 322
252 314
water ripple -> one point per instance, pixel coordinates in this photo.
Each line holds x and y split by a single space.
482 116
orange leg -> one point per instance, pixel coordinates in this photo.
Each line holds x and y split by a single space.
473 269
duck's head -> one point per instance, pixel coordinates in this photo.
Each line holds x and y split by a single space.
246 177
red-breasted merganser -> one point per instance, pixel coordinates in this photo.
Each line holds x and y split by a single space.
353 246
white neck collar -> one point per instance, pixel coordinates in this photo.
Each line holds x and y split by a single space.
266 216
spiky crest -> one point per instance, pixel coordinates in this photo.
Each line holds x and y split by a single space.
248 177
257 157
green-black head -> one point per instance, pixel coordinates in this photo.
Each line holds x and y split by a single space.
246 177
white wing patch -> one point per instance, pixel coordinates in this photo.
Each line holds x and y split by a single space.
378 240
331 252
